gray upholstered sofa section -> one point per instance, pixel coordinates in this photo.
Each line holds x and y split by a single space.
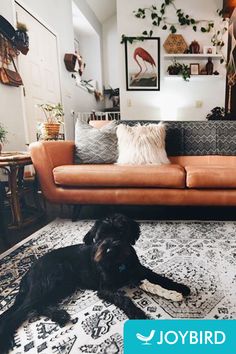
188 138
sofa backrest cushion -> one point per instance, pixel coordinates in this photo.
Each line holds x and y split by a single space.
95 146
199 138
142 144
196 138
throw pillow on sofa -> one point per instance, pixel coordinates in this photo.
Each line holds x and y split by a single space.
142 144
95 146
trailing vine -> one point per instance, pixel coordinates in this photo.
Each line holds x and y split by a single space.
158 19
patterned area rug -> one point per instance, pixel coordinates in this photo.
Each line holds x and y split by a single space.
200 254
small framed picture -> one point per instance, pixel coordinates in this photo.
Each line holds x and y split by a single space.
209 49
194 69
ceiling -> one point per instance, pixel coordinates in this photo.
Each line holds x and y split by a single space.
103 9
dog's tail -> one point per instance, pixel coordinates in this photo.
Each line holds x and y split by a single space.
10 320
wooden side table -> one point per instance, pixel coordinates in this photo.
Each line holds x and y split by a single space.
13 163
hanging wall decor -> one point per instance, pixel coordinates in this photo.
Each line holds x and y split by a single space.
7 54
19 38
143 64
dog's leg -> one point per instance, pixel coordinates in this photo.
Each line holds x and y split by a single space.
164 282
124 303
61 317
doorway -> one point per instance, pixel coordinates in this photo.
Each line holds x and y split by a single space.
39 70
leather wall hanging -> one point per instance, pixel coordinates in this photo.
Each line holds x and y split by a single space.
70 61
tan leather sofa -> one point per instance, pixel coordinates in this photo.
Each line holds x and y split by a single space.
188 180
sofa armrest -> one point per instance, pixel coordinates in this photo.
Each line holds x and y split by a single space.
45 156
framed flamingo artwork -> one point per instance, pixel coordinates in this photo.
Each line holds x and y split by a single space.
142 59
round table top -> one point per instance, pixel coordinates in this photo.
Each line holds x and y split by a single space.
14 157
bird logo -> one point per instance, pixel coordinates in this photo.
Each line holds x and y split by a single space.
145 339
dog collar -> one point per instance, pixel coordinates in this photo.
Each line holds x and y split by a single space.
122 268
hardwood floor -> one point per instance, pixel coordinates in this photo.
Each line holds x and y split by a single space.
136 212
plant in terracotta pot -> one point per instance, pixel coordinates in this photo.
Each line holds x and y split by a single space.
3 135
53 120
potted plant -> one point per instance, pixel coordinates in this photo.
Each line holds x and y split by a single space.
174 68
3 135
179 69
53 120
217 113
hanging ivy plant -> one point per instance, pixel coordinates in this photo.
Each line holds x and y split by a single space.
158 19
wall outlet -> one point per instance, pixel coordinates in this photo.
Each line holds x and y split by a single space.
129 103
198 104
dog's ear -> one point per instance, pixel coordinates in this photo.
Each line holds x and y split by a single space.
134 231
89 237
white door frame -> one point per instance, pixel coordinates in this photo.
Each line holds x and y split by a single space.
43 23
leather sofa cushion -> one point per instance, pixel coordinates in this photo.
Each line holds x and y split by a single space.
211 176
203 160
164 176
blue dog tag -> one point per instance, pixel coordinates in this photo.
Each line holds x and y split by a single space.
122 267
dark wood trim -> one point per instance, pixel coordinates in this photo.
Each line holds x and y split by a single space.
228 7
233 91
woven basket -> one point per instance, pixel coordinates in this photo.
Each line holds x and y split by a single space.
51 130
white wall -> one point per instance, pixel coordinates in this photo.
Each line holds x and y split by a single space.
90 49
10 99
176 99
110 53
57 14
111 74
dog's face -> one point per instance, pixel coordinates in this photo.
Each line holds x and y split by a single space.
110 251
116 227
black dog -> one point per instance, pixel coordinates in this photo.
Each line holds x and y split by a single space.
106 262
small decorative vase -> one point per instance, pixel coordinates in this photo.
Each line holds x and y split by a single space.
194 47
209 67
51 130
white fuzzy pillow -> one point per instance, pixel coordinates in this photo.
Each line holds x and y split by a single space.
142 144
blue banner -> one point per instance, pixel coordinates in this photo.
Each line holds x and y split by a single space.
180 337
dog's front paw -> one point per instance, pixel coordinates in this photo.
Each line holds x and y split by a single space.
138 314
6 345
61 317
184 290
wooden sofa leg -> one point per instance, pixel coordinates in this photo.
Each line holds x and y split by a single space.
75 212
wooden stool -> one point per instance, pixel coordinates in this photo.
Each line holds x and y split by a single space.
13 163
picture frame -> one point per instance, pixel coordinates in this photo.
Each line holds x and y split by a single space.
194 69
142 64
209 49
